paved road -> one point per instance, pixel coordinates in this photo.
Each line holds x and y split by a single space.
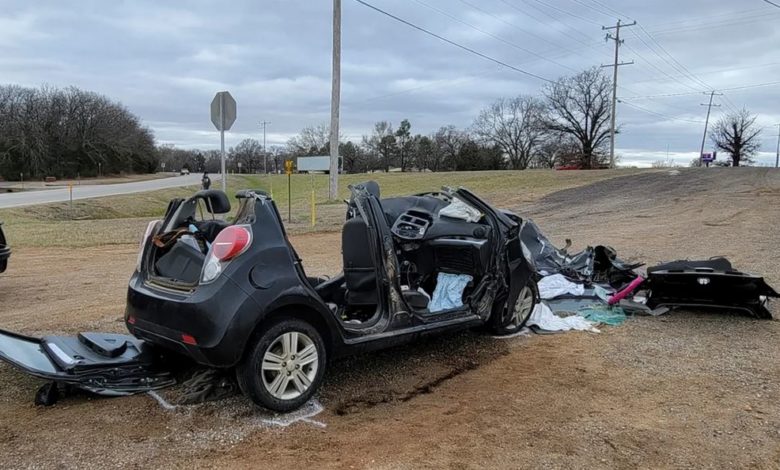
28 198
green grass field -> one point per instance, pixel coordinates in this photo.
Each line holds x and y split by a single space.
122 219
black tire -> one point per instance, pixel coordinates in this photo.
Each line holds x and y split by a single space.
506 324
254 381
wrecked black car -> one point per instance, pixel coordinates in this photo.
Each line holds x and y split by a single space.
5 251
236 294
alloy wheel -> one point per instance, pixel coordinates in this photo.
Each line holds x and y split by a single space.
289 365
523 307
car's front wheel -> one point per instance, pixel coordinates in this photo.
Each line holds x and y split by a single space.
284 367
516 316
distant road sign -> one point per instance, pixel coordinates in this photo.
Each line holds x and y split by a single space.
707 157
223 111
288 167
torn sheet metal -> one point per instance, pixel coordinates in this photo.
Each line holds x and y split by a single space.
101 363
594 264
712 283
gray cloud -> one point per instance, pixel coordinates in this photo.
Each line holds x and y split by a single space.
165 61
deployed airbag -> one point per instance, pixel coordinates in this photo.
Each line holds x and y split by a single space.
449 292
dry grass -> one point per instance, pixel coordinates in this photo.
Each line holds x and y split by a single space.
122 219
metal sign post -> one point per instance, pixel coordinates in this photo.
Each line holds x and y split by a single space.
223 115
288 167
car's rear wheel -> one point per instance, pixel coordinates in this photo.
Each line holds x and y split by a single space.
284 366
515 318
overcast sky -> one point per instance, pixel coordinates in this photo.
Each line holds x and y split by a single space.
165 60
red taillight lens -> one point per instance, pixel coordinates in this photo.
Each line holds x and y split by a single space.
230 242
188 339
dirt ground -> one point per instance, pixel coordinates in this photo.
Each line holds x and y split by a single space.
688 389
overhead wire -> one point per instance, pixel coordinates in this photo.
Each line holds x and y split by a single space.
489 34
665 116
565 12
519 28
453 43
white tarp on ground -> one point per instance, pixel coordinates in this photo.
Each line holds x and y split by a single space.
557 285
544 318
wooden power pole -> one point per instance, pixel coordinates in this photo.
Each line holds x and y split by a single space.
335 98
615 66
707 124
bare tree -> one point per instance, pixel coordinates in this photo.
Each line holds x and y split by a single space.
580 107
737 134
248 152
515 125
557 150
312 140
382 144
404 141
447 143
68 132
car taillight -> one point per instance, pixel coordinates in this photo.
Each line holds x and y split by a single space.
231 242
149 230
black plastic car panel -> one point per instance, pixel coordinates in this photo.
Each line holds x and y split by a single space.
5 250
103 363
708 284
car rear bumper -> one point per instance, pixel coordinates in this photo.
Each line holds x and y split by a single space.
202 325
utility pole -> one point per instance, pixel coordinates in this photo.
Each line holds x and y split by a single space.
335 98
265 154
707 123
615 66
777 158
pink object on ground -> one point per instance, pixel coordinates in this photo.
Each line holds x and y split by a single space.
624 293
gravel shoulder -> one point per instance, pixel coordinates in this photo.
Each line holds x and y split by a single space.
686 390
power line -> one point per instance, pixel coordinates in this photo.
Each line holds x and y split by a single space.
557 21
679 67
524 31
648 62
516 46
736 88
665 116
711 26
453 43
566 12
613 11
733 69
772 3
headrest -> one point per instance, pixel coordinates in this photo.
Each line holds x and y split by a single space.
216 201
372 187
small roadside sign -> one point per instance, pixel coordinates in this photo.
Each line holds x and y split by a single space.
223 115
223 111
288 166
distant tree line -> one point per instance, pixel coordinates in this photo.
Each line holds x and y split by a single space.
568 125
68 132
